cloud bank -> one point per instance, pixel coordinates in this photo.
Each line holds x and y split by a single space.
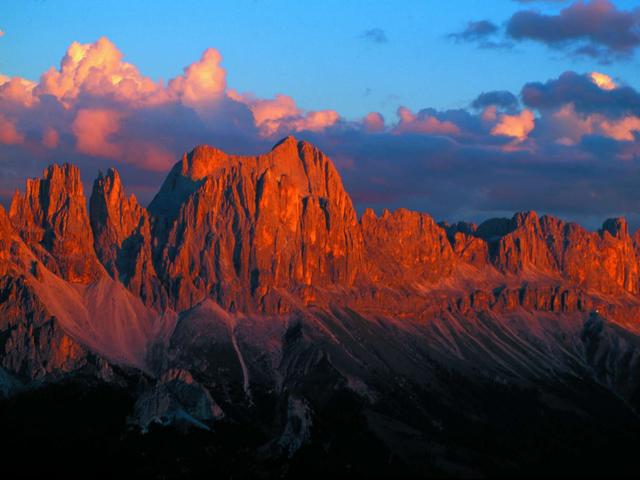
595 28
568 145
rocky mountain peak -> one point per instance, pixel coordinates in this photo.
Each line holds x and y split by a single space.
111 210
238 227
122 238
52 217
616 227
203 160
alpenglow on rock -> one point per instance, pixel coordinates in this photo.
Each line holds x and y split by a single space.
249 297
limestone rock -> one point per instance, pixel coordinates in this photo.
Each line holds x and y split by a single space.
52 218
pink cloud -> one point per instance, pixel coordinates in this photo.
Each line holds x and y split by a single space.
93 129
411 123
622 130
50 138
9 134
202 82
516 126
97 134
315 121
281 115
97 69
490 113
18 91
373 122
567 126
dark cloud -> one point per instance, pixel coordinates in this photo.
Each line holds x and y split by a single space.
484 33
500 98
454 181
595 28
584 94
476 30
375 35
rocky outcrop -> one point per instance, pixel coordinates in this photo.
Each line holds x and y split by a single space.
122 238
269 235
405 247
249 226
176 399
51 217
310 328
604 260
32 343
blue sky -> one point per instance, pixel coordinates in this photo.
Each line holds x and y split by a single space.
312 51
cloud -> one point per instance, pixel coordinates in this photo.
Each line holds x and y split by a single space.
575 106
595 28
97 70
516 126
93 129
203 82
280 115
9 135
373 122
585 93
482 32
498 98
375 35
565 126
623 130
17 91
50 138
476 30
605 82
1 33
423 122
568 145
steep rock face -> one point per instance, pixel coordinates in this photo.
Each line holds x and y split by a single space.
313 328
528 245
524 246
7 235
467 243
618 256
32 343
52 219
470 249
59 311
405 247
122 238
251 225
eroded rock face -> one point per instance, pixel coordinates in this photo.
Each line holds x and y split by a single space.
272 234
604 260
250 225
52 219
295 317
405 247
122 238
32 343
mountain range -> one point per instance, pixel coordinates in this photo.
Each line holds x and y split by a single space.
249 323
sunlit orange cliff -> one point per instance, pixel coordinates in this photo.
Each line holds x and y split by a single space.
250 283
